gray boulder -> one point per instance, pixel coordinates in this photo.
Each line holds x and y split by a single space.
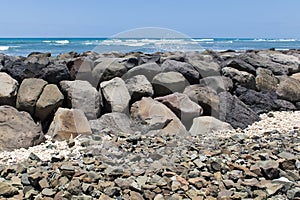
217 83
235 112
138 87
206 125
184 108
29 92
205 65
81 69
239 78
289 89
82 95
8 90
187 70
116 95
168 82
207 98
149 70
18 130
265 80
50 99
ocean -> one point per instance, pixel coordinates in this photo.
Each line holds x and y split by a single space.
23 46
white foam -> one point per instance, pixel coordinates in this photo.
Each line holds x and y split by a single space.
62 41
46 41
204 40
4 48
275 40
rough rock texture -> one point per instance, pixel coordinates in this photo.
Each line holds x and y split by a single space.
207 125
204 64
8 90
81 69
138 87
168 82
54 73
68 124
265 80
187 70
116 95
207 98
240 78
157 116
217 83
106 69
111 122
148 69
289 89
184 108
18 130
29 93
50 99
82 95
235 112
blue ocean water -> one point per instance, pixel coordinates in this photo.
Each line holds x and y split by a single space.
23 46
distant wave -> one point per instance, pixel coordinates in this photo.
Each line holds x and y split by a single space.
204 40
62 41
4 48
275 40
47 41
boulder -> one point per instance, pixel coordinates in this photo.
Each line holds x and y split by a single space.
82 95
116 95
149 70
81 69
18 130
157 116
289 89
184 108
107 69
259 102
235 112
296 76
205 65
113 122
240 65
68 124
265 80
283 105
207 98
187 70
168 82
206 125
138 87
54 73
50 99
239 78
8 90
29 92
217 83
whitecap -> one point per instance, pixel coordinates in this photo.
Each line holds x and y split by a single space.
204 40
4 48
62 41
46 41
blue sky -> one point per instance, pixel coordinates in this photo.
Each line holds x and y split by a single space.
196 18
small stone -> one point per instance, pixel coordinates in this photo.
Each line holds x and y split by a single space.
294 193
74 187
225 194
7 190
24 179
273 188
71 143
44 183
33 156
135 196
48 192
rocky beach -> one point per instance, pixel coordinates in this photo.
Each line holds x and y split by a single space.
167 125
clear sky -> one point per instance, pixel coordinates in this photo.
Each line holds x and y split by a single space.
196 18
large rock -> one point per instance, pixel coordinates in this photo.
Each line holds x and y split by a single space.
240 78
113 122
206 125
81 69
107 69
54 73
116 95
18 130
259 102
184 108
289 89
187 70
69 123
204 64
239 65
8 90
168 82
82 95
50 99
157 116
138 87
149 70
29 92
206 97
235 112
217 83
265 80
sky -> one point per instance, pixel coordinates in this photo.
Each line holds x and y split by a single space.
195 18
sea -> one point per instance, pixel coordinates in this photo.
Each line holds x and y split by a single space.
24 46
